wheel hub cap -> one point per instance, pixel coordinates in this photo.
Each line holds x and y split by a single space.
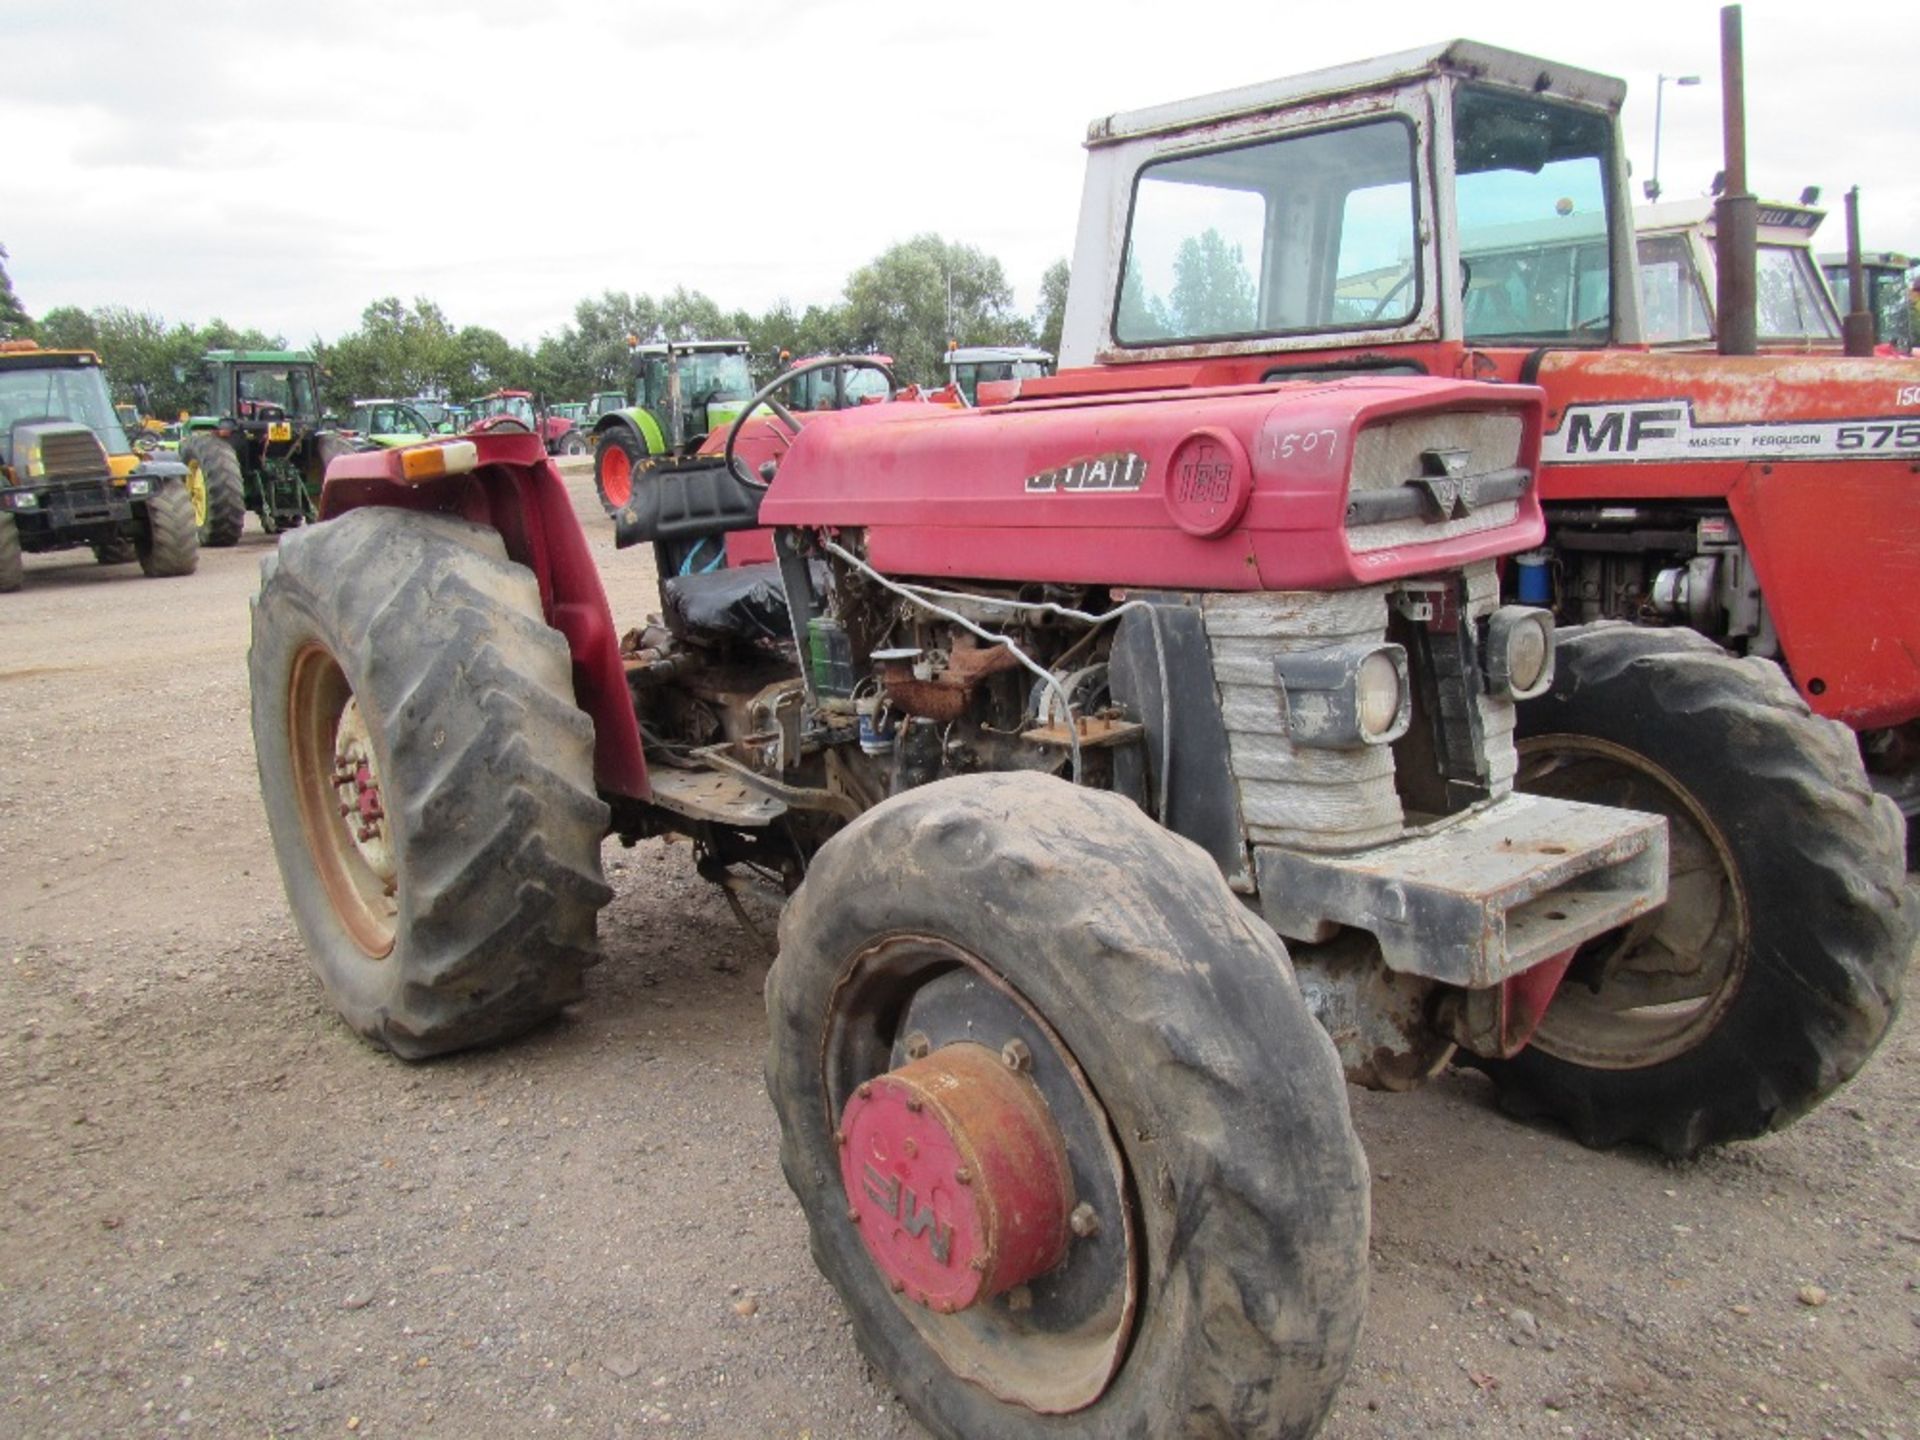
356 780
957 1177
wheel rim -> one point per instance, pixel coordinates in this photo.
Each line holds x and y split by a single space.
336 777
616 474
1052 1341
1652 990
196 483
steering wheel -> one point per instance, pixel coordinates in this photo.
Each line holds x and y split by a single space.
764 396
1387 299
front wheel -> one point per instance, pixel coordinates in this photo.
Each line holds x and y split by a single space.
168 542
1068 1142
13 564
573 443
1776 964
428 779
618 457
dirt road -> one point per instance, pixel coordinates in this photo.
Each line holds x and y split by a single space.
221 1214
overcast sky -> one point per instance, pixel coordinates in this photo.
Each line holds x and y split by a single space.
280 165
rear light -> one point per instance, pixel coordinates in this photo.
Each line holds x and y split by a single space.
430 462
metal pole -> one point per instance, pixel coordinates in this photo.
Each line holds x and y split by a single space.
1856 327
1735 213
1659 98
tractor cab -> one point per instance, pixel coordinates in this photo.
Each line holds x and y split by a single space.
692 387
504 409
1889 294
969 365
837 387
388 423
1679 277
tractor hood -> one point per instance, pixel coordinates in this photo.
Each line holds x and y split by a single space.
53 450
1296 486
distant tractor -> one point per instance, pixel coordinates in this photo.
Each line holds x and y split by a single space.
1794 311
1889 296
387 423
969 365
683 390
70 478
261 445
505 411
837 387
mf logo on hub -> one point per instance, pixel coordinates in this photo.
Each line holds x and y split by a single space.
901 1204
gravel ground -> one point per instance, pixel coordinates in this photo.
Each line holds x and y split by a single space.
221 1214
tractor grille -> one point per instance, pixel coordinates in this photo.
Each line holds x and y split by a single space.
1304 796
1400 494
73 454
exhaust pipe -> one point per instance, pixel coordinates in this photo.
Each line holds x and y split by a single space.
1735 213
1856 327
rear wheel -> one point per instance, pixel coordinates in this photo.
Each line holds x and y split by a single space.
168 542
428 779
13 565
1068 1142
216 489
1776 964
620 453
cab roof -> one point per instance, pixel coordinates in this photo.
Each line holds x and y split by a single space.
1468 59
261 357
26 355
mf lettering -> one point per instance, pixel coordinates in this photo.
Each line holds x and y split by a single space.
1618 430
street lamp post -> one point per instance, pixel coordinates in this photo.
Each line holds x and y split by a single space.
1652 187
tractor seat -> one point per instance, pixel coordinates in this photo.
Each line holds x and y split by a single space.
744 603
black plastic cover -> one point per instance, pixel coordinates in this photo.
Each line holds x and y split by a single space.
746 603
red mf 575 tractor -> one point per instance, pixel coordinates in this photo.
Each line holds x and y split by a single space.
1134 764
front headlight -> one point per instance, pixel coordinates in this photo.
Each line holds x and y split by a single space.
138 487
1344 696
1519 651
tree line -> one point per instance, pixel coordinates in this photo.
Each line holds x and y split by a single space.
907 302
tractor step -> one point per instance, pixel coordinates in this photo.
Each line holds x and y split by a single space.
703 795
1483 898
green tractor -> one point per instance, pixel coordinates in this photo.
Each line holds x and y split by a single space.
261 446
682 390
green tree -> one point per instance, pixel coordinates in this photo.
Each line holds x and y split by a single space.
1052 312
68 327
914 298
15 323
1212 291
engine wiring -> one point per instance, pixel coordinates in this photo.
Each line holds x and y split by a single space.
927 597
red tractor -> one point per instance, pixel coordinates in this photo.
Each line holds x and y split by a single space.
512 410
1134 764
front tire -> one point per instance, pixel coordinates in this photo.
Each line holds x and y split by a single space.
1776 965
428 779
168 542
216 488
1245 1211
13 564
616 460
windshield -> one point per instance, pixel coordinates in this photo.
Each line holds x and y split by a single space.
1791 301
288 388
1673 297
392 420
520 407
1309 232
76 394
1531 194
707 373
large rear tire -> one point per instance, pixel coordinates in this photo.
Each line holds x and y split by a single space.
216 488
428 779
13 564
1777 963
168 542
616 461
1240 1210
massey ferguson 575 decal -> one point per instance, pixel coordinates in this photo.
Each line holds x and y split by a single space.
1665 430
